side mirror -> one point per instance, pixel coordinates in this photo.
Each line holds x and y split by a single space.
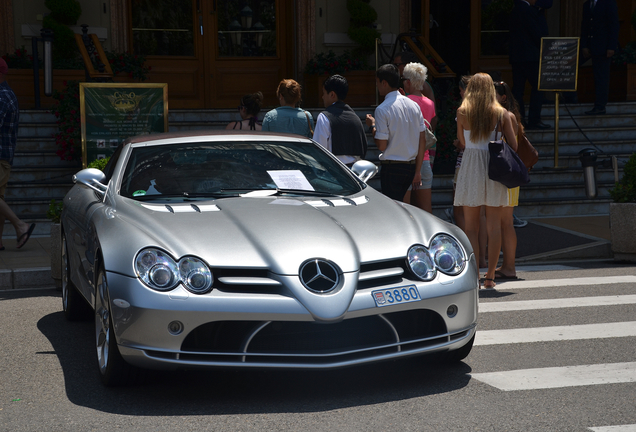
365 170
92 178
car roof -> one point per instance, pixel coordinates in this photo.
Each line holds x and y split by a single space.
201 135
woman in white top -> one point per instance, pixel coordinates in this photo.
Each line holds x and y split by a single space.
479 119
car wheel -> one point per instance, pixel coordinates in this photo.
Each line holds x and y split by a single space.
73 304
460 354
113 368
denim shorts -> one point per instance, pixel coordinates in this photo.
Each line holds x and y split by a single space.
427 176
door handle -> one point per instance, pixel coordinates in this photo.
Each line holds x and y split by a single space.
201 24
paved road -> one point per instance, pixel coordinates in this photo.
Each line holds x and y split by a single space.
556 351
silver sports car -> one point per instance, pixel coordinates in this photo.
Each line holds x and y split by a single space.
257 250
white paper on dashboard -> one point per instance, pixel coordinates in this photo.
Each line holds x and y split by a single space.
290 179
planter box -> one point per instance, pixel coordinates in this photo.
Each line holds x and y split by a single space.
623 231
361 89
21 81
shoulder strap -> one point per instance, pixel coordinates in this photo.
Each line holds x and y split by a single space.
311 131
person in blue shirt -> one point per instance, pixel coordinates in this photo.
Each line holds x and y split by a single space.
9 118
288 118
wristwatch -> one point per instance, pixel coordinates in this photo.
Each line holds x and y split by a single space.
371 128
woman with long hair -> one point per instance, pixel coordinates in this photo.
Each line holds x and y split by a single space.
248 109
481 119
509 236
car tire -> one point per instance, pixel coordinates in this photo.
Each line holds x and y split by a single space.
460 354
73 304
113 369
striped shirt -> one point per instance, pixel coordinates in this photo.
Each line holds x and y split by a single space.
9 118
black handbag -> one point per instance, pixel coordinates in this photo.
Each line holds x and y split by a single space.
505 165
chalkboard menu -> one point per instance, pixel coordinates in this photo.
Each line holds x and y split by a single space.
112 112
558 68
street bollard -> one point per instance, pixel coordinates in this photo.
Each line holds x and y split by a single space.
588 160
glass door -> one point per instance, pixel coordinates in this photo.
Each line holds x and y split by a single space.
248 49
212 52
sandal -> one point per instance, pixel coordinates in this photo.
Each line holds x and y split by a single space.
492 281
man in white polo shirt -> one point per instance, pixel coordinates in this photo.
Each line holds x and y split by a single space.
398 130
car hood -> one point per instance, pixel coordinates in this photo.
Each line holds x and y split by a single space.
279 233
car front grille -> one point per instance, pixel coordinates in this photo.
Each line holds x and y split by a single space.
372 275
313 343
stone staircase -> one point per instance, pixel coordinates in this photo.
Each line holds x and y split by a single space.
38 174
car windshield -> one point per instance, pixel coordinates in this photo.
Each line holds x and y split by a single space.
224 169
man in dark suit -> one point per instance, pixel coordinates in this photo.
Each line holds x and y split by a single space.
527 27
599 40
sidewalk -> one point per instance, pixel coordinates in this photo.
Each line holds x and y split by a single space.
545 239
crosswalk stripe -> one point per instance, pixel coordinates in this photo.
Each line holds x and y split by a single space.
617 428
557 377
557 333
551 283
556 303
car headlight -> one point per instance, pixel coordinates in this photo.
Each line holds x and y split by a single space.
159 271
447 254
195 275
444 254
421 263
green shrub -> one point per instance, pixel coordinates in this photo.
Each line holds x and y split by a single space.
625 190
100 164
362 28
64 11
55 211
64 45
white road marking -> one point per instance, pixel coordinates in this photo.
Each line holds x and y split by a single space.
552 283
618 428
557 303
547 267
558 333
557 377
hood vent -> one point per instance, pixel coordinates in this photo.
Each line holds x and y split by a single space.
338 202
182 208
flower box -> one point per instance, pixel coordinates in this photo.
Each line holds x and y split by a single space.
623 231
361 89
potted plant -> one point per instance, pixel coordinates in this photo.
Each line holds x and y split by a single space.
623 214
323 65
54 213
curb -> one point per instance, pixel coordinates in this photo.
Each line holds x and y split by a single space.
26 278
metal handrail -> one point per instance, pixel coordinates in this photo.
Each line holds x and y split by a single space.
90 47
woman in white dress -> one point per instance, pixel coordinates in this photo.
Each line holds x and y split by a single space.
481 119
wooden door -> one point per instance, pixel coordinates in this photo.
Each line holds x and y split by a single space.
212 52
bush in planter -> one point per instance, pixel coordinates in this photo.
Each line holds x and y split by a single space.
19 59
55 211
362 29
625 190
100 164
63 14
330 64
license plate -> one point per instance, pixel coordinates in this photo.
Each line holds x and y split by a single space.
393 296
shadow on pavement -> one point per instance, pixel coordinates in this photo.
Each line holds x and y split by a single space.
233 391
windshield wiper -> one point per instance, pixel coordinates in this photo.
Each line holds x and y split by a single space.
280 191
186 196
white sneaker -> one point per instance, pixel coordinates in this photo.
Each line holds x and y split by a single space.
449 214
518 223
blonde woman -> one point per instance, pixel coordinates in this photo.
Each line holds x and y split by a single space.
414 80
479 119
